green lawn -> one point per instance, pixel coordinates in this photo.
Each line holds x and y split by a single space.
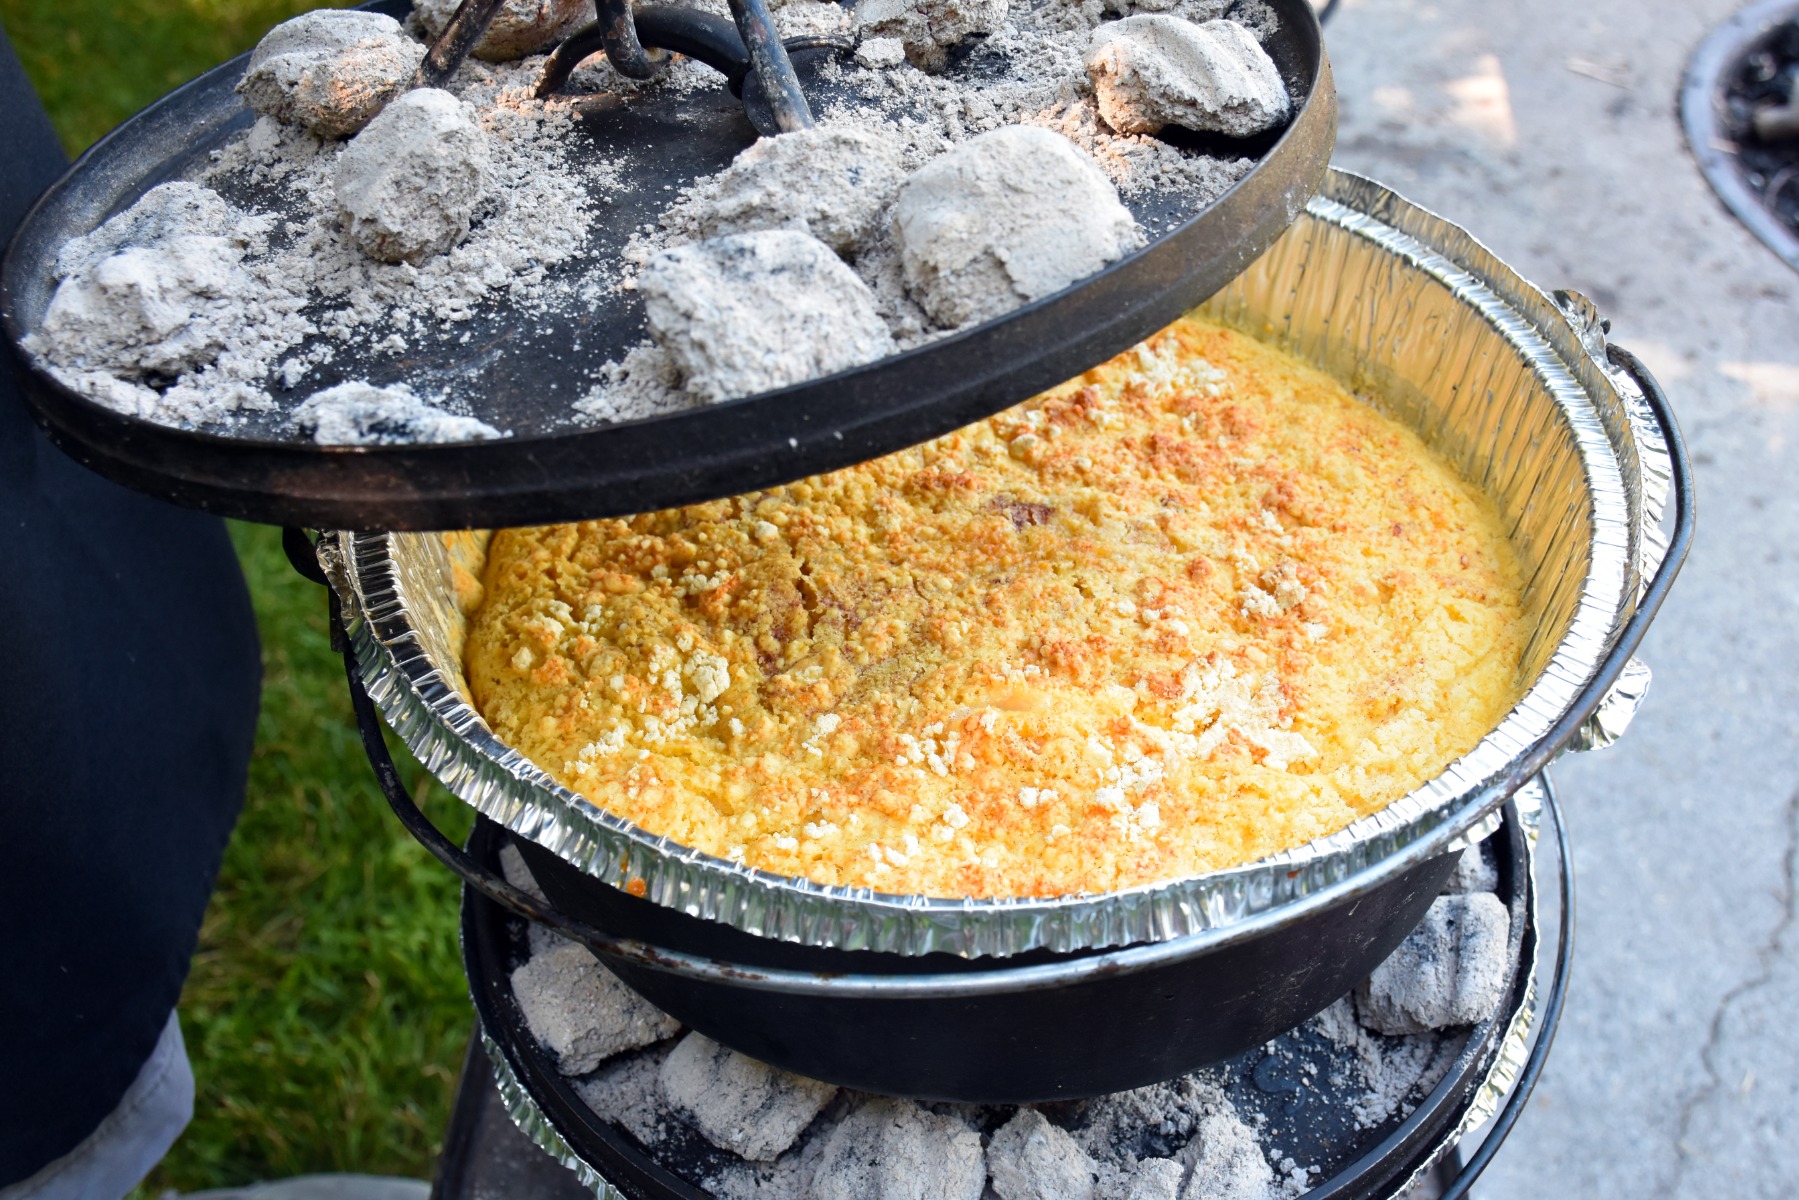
95 62
326 1013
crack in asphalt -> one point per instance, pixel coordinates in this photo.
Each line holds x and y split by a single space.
1766 957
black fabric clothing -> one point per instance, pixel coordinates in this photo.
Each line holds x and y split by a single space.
129 677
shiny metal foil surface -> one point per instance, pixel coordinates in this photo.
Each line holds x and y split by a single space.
1407 309
534 1124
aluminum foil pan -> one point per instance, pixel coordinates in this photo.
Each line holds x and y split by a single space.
1510 384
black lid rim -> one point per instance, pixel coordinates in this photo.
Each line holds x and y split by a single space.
698 454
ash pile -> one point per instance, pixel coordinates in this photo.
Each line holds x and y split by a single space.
742 1130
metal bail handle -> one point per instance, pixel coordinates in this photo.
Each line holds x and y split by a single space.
735 47
616 33
451 49
515 900
779 86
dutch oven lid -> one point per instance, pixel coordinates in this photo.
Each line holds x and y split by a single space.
530 369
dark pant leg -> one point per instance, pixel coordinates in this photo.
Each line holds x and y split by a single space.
129 674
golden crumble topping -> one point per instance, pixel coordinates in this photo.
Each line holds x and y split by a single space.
1194 608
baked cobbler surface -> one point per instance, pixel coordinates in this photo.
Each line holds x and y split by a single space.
1196 607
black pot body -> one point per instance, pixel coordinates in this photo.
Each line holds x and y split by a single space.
1106 1032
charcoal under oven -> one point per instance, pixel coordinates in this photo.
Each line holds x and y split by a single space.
1295 1087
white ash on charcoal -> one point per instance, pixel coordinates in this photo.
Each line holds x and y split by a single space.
752 312
881 53
1228 1162
512 865
1152 70
1190 1122
645 383
361 414
744 1131
929 31
1255 16
330 70
1394 1069
162 297
581 1012
627 1088
1004 219
383 248
1031 1159
833 182
1027 71
807 18
409 184
167 337
1449 971
521 27
899 1150
741 1105
1474 872
162 306
1155 1179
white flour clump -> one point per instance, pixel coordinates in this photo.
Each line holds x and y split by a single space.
521 27
361 414
752 312
741 1105
930 30
1030 1159
1002 219
1152 70
896 1150
831 181
330 70
408 185
1448 971
581 1012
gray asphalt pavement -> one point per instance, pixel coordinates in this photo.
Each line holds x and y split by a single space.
1550 131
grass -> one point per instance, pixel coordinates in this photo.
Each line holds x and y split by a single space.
326 1013
95 62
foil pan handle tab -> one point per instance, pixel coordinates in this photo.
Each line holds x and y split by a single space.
1617 710
1662 473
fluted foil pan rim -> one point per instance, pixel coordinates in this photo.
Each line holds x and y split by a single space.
536 1125
431 713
